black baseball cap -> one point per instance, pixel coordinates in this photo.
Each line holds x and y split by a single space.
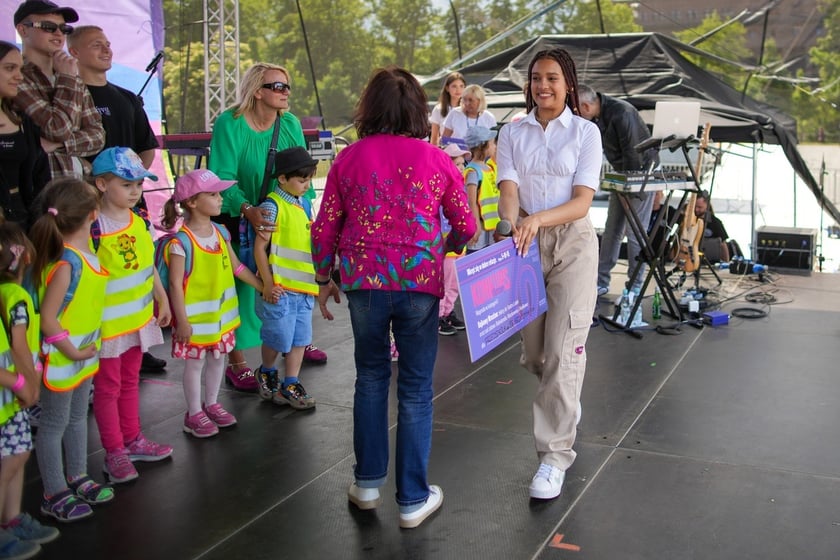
31 7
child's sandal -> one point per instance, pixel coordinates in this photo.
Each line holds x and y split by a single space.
91 491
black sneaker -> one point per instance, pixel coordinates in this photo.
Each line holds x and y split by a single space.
455 321
152 364
445 328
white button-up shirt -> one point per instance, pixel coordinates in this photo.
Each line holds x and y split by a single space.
547 164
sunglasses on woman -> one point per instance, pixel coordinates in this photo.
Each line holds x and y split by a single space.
50 27
278 87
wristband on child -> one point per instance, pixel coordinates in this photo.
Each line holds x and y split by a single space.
18 383
57 337
238 270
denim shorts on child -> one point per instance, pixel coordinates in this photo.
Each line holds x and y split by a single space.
15 435
287 323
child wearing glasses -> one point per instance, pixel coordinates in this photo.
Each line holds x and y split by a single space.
52 94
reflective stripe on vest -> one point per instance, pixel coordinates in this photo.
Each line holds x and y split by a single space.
128 256
82 318
290 256
8 402
209 293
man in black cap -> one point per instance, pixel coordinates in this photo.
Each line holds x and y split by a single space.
52 94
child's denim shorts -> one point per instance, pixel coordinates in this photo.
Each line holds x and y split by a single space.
287 323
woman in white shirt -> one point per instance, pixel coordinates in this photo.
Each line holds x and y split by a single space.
548 170
450 98
472 112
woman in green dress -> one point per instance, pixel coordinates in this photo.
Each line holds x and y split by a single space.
238 152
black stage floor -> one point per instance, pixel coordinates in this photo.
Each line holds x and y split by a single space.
716 443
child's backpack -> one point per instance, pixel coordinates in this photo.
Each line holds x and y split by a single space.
248 237
162 252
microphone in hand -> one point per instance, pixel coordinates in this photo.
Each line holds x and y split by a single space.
504 228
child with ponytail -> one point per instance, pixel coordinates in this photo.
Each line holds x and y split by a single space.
70 284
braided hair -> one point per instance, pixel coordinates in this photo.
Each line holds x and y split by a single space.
567 65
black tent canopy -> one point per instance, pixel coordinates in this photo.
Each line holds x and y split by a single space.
644 68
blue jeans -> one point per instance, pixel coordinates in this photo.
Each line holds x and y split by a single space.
413 317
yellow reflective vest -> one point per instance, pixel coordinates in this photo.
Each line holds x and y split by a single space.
209 293
488 196
128 255
12 293
82 317
8 402
290 252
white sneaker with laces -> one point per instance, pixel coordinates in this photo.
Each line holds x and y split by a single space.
548 482
433 503
364 498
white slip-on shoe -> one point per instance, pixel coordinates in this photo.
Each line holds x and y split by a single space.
364 498
547 483
433 503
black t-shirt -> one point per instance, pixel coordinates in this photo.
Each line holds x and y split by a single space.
13 151
714 228
123 118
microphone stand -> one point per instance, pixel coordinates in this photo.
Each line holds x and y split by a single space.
151 69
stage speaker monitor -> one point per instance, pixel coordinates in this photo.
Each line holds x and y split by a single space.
786 247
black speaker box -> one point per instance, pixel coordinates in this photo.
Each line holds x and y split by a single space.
786 247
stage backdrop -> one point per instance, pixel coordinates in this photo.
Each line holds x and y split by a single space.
135 29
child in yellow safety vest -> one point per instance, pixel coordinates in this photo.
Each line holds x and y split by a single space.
70 283
482 191
202 266
448 321
284 261
126 249
20 382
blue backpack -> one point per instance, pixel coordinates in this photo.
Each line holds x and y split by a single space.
162 252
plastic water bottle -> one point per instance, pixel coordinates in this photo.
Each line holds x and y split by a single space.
637 316
624 315
656 307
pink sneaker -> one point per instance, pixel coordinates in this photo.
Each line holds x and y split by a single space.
199 425
221 417
118 467
142 449
314 355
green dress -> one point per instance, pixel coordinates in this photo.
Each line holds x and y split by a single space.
238 153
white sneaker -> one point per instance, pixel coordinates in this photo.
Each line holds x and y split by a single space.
364 498
433 503
547 483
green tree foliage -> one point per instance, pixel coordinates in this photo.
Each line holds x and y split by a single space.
729 43
817 109
581 17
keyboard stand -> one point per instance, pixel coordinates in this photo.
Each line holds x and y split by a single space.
654 257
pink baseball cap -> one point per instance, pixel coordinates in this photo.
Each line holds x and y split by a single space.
454 150
199 181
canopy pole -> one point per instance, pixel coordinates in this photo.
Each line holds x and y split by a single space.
754 245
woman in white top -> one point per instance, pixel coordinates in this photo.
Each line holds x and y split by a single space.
450 98
548 170
472 112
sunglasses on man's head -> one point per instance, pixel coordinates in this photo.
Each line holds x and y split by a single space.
278 87
50 27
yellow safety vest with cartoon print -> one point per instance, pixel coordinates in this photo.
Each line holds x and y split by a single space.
290 255
82 317
488 197
209 293
12 293
128 255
